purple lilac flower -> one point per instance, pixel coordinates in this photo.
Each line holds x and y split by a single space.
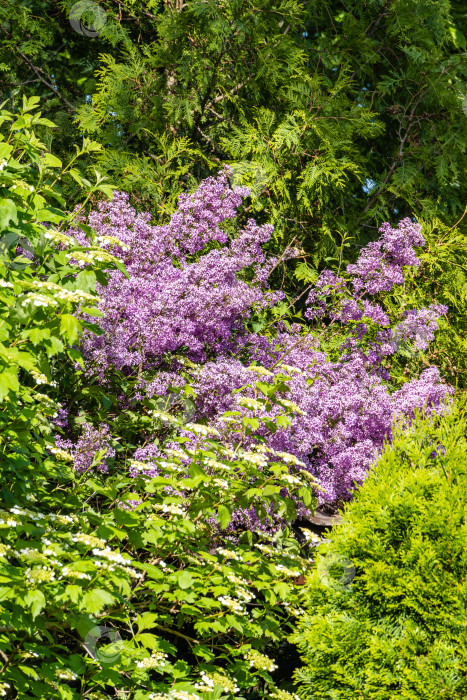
187 293
90 442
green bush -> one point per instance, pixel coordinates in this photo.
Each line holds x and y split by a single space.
398 629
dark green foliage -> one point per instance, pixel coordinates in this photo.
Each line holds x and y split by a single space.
399 629
339 115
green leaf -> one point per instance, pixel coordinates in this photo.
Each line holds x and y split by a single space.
51 160
185 579
95 600
51 214
8 382
223 516
7 213
146 620
35 599
5 150
86 280
37 335
70 328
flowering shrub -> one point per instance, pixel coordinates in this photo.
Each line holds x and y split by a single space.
182 611
195 293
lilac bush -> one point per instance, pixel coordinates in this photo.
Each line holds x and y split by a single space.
191 292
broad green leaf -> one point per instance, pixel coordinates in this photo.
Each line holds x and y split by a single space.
223 516
185 579
8 213
35 599
8 382
70 328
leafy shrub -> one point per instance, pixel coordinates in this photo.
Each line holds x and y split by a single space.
399 628
106 542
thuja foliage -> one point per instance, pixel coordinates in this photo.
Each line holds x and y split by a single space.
338 116
398 628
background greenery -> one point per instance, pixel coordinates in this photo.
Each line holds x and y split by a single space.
339 117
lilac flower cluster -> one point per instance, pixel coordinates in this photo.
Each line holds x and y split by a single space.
418 325
173 300
380 264
191 289
90 443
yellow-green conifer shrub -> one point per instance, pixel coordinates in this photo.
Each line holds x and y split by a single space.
398 629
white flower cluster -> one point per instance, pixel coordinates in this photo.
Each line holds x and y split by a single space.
290 368
292 406
64 674
173 466
255 458
91 256
40 574
170 508
297 612
259 661
114 557
201 429
71 573
4 283
285 570
29 655
288 458
4 688
292 480
164 416
245 595
61 519
39 300
222 483
209 680
111 240
38 377
214 464
283 695
88 540
232 604
262 371
251 403
29 553
61 454
310 536
229 554
156 660
58 292
265 548
238 580
58 237
136 464
4 549
26 513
